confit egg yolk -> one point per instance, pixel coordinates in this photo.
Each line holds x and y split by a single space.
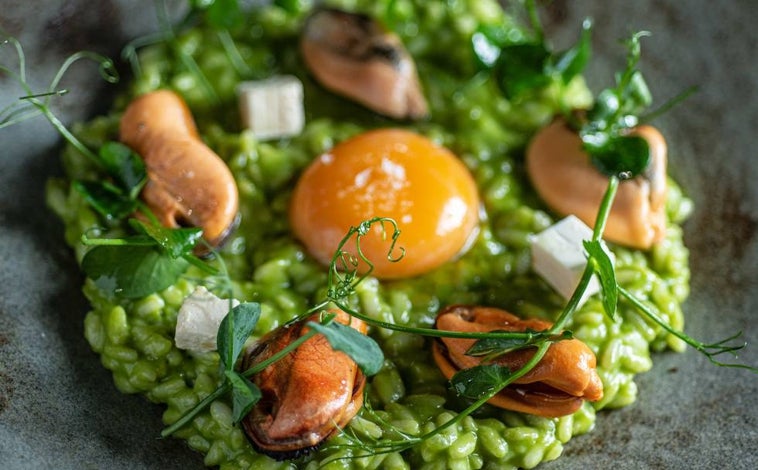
392 173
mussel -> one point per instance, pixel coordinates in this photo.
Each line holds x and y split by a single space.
352 55
307 396
556 386
564 177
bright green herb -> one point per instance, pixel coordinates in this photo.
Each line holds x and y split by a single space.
125 166
234 330
106 198
221 14
132 270
361 349
480 381
176 242
527 65
30 104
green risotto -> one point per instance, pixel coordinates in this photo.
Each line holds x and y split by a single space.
470 116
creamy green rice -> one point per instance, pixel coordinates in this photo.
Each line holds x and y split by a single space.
135 337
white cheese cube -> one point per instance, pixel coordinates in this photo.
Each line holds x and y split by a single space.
559 257
198 320
272 108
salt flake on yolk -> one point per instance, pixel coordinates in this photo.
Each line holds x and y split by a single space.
391 173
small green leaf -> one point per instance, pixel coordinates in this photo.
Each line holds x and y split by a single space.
125 166
487 42
622 156
132 271
573 61
487 346
361 348
176 241
245 395
224 14
603 267
106 199
480 380
234 330
522 68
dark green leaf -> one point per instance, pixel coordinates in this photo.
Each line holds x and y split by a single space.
487 42
478 381
124 166
521 68
487 346
234 330
572 62
361 349
176 241
603 267
132 271
621 156
224 14
245 395
106 199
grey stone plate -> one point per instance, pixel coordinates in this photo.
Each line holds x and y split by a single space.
59 408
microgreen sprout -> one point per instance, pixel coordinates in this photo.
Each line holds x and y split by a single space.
32 103
524 64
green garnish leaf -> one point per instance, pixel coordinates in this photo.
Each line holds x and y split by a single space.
485 346
106 199
361 348
132 271
623 156
521 68
487 43
572 62
480 380
176 241
123 164
234 330
604 132
245 395
220 14
494 346
603 267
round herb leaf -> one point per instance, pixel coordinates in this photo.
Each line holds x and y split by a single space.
521 68
132 271
622 156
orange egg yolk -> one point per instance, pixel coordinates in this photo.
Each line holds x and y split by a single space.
391 173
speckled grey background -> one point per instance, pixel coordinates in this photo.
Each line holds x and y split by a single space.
59 408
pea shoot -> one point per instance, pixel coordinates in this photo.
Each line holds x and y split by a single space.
523 64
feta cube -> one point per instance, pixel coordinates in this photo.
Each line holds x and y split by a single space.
198 320
272 108
559 257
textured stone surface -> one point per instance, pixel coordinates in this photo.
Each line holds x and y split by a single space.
59 408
